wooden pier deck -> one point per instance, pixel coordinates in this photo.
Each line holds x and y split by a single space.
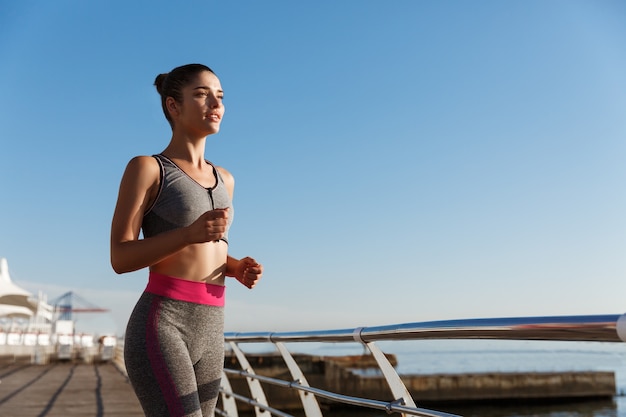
65 389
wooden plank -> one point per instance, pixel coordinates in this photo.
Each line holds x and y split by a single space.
66 390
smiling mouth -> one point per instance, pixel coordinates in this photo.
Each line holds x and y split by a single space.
214 117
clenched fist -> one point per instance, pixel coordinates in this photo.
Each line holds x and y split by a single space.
209 227
248 272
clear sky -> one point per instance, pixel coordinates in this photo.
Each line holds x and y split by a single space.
395 161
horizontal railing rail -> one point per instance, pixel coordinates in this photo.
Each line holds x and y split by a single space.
599 328
603 328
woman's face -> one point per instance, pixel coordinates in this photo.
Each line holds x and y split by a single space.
201 110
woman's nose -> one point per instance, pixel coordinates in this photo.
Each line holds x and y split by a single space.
213 101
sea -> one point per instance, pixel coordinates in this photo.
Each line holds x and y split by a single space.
484 355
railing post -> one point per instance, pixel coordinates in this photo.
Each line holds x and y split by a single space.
309 402
398 389
256 390
228 401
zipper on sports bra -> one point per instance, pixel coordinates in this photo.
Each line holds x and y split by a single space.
211 197
210 191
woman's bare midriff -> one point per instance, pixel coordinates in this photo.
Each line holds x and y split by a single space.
198 262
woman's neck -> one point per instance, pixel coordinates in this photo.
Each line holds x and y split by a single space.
186 149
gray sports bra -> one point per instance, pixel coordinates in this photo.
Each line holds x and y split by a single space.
181 200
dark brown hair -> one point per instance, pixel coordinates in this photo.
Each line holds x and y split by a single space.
171 84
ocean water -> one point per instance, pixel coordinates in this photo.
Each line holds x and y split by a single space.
472 356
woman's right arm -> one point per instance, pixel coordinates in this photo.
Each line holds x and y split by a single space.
138 189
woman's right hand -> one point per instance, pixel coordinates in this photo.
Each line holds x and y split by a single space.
209 227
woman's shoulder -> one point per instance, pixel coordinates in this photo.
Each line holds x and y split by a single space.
225 174
143 162
227 177
143 166
141 178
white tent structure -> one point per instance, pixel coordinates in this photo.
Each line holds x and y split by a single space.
17 303
15 311
14 301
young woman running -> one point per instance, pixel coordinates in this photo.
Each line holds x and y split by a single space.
174 344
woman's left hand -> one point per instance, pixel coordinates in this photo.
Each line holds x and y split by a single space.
248 272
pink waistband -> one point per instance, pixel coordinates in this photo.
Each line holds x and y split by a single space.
185 290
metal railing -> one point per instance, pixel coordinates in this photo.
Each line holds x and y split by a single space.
600 328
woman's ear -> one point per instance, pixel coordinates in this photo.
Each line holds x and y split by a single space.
172 106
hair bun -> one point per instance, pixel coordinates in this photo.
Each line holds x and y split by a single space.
159 81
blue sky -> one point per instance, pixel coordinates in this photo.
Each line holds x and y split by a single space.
394 161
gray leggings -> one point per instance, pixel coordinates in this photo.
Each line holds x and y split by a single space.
174 356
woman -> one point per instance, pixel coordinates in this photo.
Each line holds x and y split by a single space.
174 346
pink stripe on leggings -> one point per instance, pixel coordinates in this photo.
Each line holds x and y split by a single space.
159 366
184 290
